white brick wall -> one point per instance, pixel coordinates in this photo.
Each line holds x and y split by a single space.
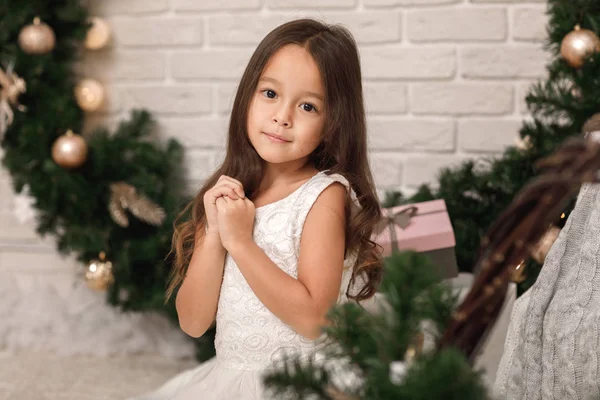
444 80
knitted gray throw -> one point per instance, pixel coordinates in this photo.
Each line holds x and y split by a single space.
552 350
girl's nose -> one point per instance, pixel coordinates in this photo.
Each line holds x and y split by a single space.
282 117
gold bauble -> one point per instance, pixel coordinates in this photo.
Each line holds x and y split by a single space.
578 45
99 275
69 150
37 38
89 94
98 35
518 274
542 248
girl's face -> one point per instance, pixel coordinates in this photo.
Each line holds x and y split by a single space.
286 113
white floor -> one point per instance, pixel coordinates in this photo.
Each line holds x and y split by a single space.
46 376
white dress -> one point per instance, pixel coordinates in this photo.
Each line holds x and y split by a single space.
250 338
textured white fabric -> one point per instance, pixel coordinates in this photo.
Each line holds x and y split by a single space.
77 321
553 347
251 339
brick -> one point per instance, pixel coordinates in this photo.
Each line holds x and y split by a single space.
529 24
160 99
367 26
13 231
310 4
242 29
37 260
411 134
116 7
387 169
457 24
421 169
34 268
196 132
134 65
395 62
6 191
112 101
215 5
209 64
225 97
487 135
198 164
157 31
504 62
391 3
461 98
385 97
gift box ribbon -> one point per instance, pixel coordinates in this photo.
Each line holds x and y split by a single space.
391 220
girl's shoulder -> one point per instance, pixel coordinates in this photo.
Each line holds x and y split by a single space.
318 183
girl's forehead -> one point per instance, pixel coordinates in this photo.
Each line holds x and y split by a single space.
293 65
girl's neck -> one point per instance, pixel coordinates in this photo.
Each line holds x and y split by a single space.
275 176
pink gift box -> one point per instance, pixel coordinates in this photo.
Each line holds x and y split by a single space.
426 228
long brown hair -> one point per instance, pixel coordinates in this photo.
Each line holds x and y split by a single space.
343 149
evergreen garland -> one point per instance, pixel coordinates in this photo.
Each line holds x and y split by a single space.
72 205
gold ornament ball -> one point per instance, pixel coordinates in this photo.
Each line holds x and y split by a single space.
37 38
69 150
89 94
98 35
578 45
518 274
99 275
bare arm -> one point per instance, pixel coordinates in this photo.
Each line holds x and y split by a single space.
304 302
198 296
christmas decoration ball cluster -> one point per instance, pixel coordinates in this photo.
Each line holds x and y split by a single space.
70 150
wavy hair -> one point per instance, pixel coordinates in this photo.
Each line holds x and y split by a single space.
343 149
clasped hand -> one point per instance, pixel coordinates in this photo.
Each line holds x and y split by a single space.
229 212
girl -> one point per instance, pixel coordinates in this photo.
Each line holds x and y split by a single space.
281 232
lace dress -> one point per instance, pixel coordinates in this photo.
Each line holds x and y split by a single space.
249 338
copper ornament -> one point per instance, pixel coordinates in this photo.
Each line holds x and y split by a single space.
99 275
578 45
89 94
37 38
69 150
98 35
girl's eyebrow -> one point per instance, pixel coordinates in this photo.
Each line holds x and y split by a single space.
273 80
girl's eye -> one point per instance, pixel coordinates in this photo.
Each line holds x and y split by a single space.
308 107
269 93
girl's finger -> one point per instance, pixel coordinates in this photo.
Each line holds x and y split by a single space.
228 189
219 192
238 184
220 202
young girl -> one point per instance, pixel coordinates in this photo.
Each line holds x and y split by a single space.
281 232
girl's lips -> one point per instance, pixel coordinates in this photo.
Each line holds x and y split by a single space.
275 138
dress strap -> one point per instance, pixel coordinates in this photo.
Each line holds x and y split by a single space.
307 198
